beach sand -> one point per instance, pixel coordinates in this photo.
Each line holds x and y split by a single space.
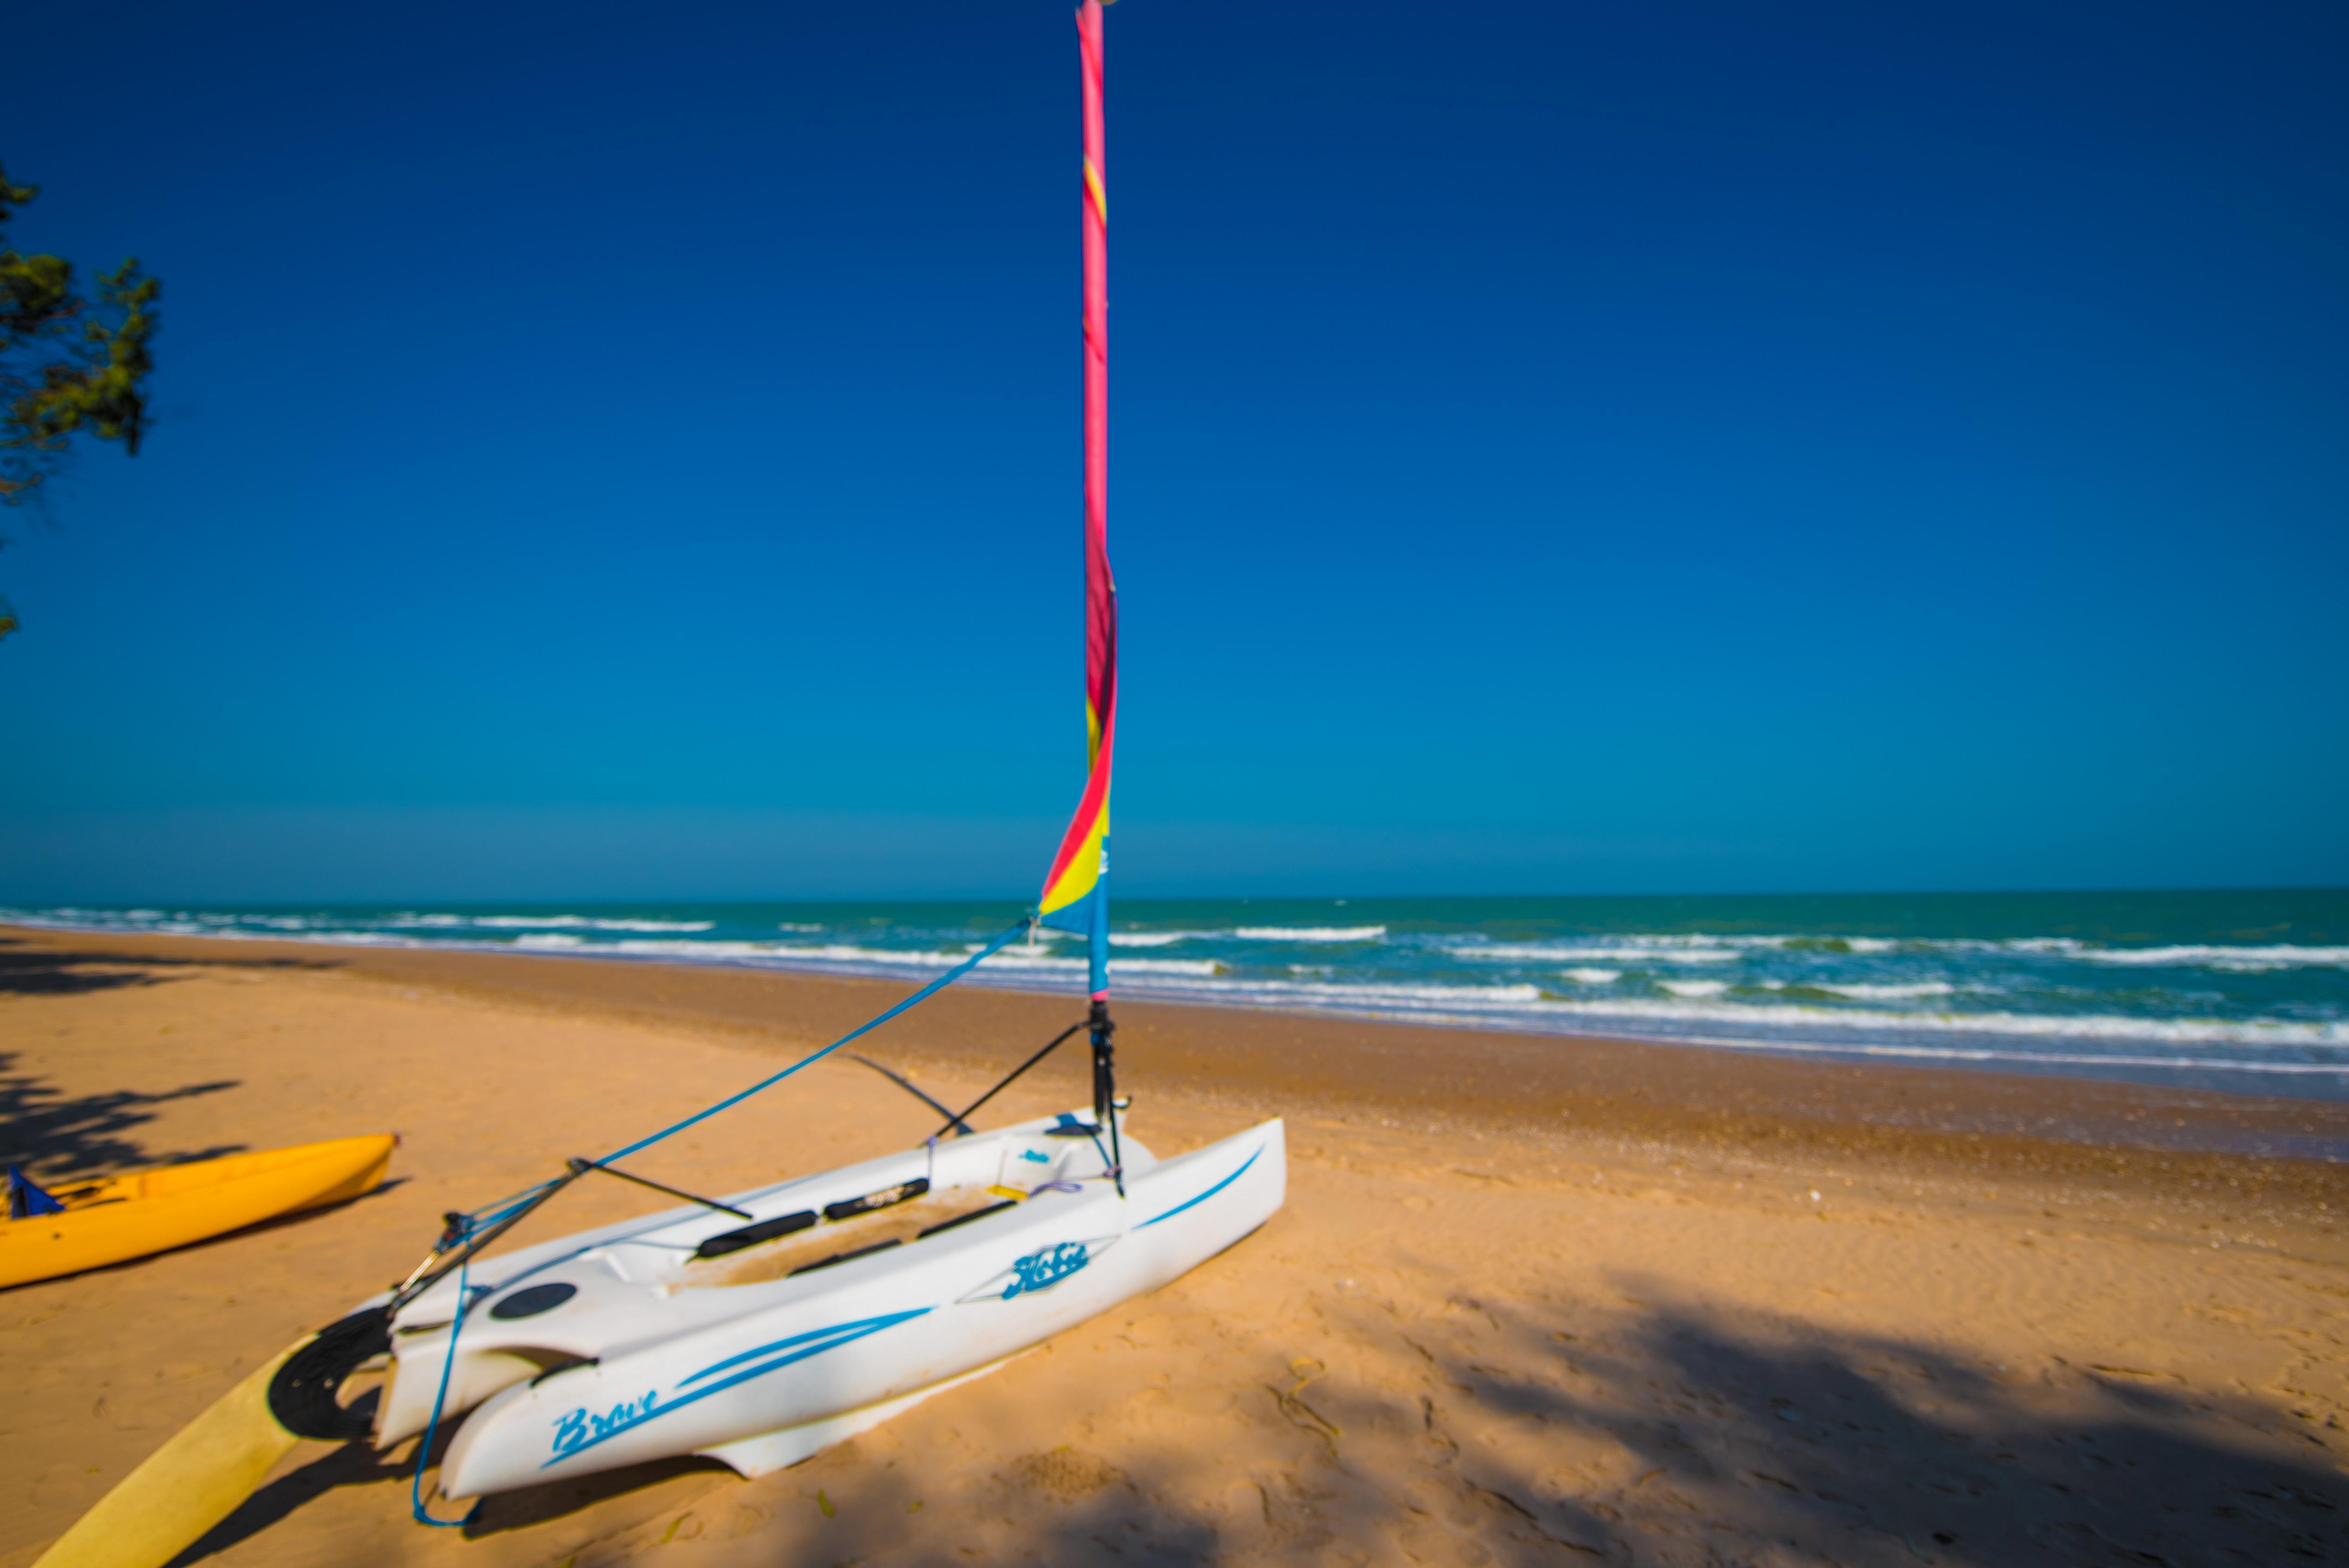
1532 1299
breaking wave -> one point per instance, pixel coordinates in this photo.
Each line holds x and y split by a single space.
1310 932
2173 998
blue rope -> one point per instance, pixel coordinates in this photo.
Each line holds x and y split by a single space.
506 1206
941 982
432 1425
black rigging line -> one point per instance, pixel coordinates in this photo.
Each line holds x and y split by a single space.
962 1129
581 1168
1015 1072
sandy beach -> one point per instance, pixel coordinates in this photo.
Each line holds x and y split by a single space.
1531 1300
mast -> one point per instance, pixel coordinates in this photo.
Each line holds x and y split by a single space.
1076 893
1101 588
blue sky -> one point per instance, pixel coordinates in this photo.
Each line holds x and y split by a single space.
633 453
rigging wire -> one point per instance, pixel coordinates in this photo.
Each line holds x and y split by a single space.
468 1233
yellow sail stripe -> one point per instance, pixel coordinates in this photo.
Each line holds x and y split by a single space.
1083 868
1100 198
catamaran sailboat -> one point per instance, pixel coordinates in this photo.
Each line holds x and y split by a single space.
844 1299
760 1327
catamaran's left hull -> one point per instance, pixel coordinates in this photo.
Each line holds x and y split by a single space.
811 1359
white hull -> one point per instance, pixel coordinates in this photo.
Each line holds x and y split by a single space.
654 1353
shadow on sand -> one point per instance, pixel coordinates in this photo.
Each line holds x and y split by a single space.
53 1134
30 970
358 1464
352 1464
1556 1433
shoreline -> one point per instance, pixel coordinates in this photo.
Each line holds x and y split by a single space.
1915 1042
1703 1095
1961 1042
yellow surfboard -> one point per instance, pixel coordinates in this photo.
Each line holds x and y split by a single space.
131 1215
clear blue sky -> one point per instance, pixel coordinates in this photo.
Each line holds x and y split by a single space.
632 451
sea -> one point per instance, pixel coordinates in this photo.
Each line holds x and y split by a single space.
2244 990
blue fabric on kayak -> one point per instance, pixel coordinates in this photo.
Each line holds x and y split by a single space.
26 1199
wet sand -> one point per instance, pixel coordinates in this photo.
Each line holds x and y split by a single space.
1533 1299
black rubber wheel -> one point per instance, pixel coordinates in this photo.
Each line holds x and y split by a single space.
307 1394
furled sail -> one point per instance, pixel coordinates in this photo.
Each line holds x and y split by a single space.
1076 893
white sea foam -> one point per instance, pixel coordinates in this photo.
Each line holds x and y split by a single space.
1376 999
1859 993
1778 1017
705 952
1526 1005
1862 944
1885 1012
2214 956
1875 944
1310 932
1809 942
1677 949
1377 993
1552 953
340 938
567 922
1026 956
1015 958
851 952
1978 1054
205 925
829 954
852 955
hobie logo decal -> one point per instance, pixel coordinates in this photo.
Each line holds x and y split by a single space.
1041 1269
579 1428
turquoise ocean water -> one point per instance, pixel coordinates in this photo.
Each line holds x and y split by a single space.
2246 990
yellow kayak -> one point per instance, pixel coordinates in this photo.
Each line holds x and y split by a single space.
128 1216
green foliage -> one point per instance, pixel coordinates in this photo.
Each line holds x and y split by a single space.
69 365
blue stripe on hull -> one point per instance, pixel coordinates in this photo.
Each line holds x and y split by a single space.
1207 1194
826 1339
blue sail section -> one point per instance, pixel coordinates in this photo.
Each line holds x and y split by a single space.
1089 917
